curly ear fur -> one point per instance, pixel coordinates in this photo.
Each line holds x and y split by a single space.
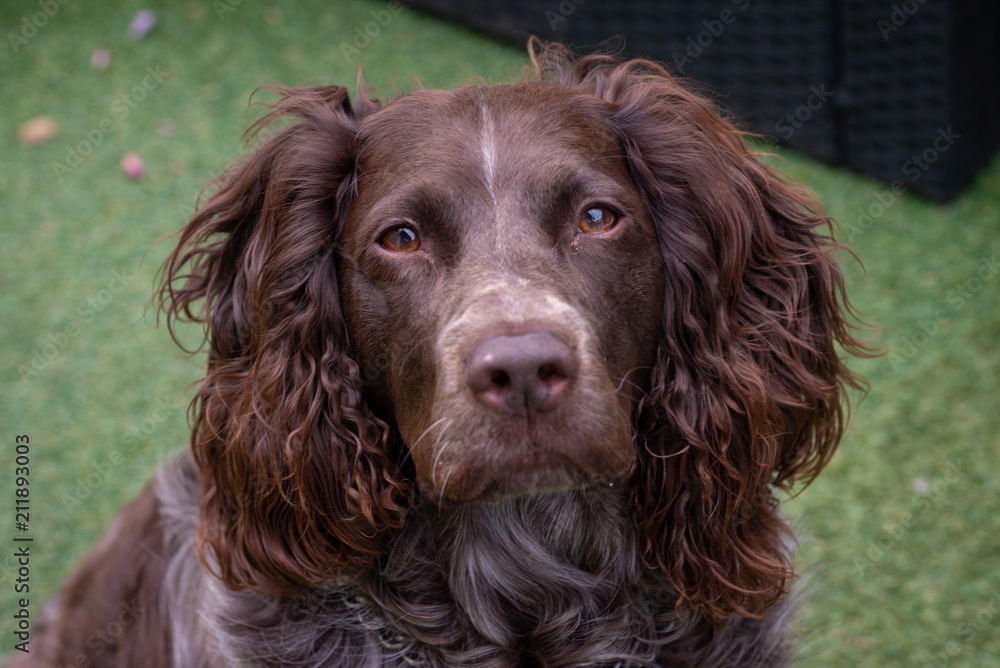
748 388
297 482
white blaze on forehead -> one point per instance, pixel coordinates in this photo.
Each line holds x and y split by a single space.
488 158
488 151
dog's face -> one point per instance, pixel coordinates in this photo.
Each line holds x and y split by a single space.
501 275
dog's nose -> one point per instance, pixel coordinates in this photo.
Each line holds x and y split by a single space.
521 375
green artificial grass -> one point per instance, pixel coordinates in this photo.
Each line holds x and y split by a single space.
901 531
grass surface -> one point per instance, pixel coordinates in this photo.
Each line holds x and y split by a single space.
903 527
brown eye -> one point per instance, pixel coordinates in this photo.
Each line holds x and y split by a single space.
597 219
400 239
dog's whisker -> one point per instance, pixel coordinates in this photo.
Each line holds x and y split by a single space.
625 380
439 451
441 494
426 431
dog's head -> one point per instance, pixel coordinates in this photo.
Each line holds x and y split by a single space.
584 279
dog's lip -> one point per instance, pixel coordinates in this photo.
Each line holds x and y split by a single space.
512 486
535 469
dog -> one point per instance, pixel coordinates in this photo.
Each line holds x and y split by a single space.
500 376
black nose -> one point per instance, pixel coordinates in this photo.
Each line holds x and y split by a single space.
521 375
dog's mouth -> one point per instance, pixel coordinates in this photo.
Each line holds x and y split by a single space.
519 459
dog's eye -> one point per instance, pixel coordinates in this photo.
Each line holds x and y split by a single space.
401 239
597 219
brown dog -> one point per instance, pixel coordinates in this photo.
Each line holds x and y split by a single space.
498 376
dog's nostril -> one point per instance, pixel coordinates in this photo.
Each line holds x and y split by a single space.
548 371
523 374
499 378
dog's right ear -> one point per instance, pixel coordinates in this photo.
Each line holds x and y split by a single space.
297 483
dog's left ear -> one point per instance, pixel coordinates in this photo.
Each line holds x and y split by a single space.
748 390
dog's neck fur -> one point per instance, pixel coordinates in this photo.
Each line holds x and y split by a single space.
551 580
556 573
539 562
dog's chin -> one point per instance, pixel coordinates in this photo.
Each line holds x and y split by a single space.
530 470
